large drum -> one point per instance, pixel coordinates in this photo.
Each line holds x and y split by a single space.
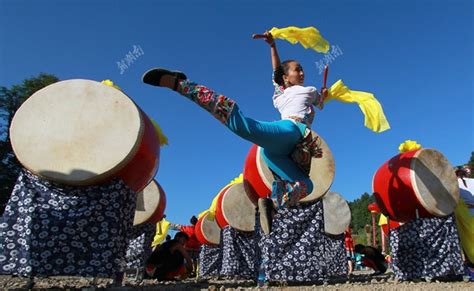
82 132
235 208
420 181
207 231
258 178
337 214
151 204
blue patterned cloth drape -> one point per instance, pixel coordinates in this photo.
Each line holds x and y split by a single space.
210 261
238 254
49 229
335 255
139 245
295 249
426 248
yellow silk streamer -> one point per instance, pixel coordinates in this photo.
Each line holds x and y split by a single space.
408 145
161 231
465 223
159 132
308 37
382 220
213 208
374 117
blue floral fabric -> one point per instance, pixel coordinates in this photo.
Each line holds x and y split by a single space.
210 261
238 254
295 249
426 248
50 229
335 255
139 246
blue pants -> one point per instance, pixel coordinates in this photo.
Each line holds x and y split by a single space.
277 138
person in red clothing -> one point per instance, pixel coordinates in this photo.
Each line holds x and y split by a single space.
349 248
192 246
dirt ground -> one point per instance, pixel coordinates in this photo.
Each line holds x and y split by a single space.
361 280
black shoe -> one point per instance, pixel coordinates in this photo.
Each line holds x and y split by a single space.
153 76
266 209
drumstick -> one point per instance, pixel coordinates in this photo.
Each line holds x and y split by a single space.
255 36
325 79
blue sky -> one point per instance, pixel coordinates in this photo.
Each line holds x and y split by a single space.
415 56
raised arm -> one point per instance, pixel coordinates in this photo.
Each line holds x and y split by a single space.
267 36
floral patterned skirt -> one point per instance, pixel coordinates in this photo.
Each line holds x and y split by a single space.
426 248
335 254
139 246
49 229
210 261
239 251
295 250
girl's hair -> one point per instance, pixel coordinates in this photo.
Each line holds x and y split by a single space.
281 70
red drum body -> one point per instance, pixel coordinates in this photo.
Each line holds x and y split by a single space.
151 204
258 178
207 231
82 132
235 208
393 225
420 181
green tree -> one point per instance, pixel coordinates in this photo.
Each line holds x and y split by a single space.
10 100
471 165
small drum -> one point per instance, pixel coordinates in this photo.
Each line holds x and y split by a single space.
258 178
82 132
207 231
235 208
420 181
151 204
337 214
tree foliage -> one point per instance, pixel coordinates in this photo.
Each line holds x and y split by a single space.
10 100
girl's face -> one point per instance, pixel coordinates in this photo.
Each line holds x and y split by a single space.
295 75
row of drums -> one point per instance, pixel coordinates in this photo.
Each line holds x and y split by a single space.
81 132
236 203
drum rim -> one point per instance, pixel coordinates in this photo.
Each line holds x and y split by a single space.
204 234
260 165
224 195
161 200
98 177
416 190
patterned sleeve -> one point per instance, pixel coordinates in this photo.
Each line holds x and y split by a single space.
278 88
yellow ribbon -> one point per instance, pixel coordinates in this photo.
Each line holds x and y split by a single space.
308 37
465 223
408 145
374 116
162 228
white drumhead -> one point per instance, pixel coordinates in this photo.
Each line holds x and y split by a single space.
237 208
147 203
76 132
337 214
211 230
434 182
